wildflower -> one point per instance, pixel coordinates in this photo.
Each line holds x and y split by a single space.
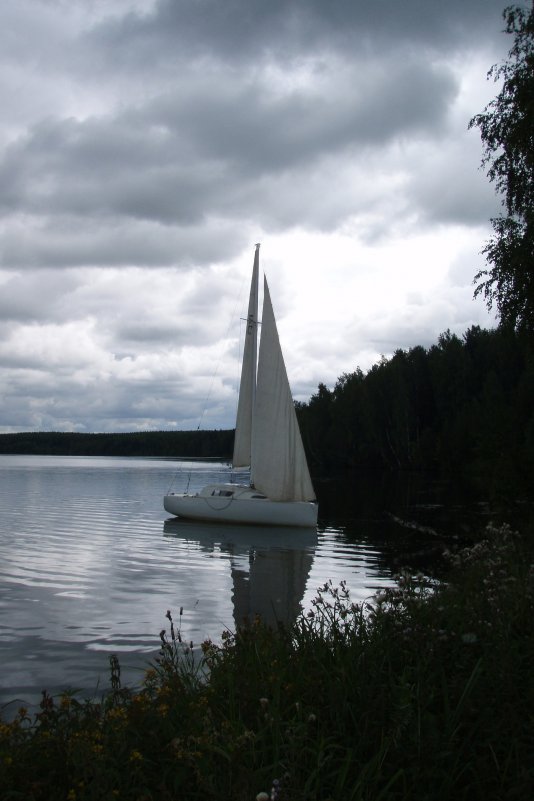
312 718
136 756
262 797
264 703
117 712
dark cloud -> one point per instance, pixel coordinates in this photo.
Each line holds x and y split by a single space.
236 31
144 147
38 300
91 241
447 187
187 159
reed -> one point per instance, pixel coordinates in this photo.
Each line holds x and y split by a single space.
424 692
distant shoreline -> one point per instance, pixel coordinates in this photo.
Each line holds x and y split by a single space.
190 444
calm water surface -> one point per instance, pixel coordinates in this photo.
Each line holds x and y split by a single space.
90 562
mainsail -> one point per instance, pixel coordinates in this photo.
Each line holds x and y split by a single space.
279 463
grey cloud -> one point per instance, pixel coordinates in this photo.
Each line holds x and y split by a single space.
416 325
256 130
85 241
44 400
183 160
447 187
22 300
237 31
170 138
151 333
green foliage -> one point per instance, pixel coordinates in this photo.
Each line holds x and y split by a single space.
507 132
463 403
424 692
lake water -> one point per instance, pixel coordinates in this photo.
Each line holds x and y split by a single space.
90 562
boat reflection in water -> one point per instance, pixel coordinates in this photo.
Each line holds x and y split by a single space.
269 566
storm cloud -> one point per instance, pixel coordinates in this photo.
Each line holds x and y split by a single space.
145 146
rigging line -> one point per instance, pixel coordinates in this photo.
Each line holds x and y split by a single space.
237 379
216 370
226 337
238 367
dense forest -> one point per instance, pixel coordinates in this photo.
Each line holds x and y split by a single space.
205 444
463 403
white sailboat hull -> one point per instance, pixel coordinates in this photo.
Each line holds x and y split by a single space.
243 505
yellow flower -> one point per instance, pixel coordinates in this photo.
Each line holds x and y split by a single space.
136 756
118 712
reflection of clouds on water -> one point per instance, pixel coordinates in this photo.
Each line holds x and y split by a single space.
269 566
89 566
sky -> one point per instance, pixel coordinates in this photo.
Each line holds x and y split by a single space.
147 145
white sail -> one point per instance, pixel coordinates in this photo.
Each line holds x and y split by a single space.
279 463
267 438
247 387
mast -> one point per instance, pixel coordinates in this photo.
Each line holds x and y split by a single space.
247 385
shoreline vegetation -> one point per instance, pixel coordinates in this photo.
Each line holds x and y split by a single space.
171 444
424 691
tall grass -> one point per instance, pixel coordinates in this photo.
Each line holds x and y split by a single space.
426 692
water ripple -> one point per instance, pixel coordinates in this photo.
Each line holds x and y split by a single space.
90 565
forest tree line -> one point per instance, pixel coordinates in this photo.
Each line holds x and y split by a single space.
177 444
462 403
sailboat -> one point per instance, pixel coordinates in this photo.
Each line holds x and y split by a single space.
267 439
